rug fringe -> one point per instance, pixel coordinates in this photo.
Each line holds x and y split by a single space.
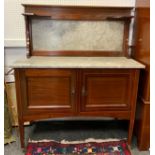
75 142
89 140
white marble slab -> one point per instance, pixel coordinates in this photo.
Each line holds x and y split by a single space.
65 35
98 3
77 62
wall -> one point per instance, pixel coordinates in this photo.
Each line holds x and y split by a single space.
14 33
12 54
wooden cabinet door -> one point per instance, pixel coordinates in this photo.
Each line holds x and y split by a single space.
106 89
47 90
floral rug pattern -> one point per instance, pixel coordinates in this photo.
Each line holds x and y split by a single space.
90 148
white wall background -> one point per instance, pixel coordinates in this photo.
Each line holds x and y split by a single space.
14 33
12 54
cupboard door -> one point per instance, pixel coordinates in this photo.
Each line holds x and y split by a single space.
106 89
48 90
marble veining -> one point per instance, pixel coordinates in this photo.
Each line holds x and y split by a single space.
61 35
77 62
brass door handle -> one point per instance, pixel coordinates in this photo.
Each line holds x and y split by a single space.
83 91
73 91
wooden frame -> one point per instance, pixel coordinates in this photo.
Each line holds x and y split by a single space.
76 13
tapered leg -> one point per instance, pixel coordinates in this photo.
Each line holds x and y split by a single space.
133 105
130 131
21 131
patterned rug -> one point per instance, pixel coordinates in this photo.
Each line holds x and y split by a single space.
87 147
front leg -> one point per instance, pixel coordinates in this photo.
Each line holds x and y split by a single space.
21 131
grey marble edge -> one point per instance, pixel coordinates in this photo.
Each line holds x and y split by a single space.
137 65
106 5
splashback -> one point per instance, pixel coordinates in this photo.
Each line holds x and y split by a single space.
79 35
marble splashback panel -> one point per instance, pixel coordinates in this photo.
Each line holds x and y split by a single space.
62 35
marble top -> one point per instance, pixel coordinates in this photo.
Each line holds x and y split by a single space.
94 3
77 62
